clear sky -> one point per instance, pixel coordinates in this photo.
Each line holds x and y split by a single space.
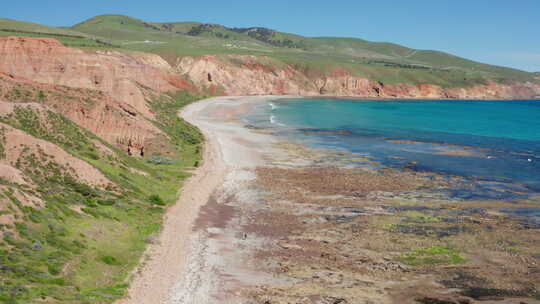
503 32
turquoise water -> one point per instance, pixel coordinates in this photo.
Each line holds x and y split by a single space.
488 141
495 119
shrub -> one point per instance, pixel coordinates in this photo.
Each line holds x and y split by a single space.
41 96
53 269
92 155
84 189
122 175
107 202
161 160
110 260
91 202
156 199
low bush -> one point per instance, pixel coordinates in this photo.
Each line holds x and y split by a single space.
161 160
106 202
156 199
110 260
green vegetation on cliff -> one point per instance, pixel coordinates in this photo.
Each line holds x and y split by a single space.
81 243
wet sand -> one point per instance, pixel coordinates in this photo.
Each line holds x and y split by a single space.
267 221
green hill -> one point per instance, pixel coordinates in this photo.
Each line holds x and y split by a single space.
67 36
380 61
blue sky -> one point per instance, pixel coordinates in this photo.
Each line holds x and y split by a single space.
503 32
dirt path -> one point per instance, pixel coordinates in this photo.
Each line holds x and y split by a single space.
168 260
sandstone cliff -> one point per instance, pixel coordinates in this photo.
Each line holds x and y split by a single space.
104 91
108 92
246 75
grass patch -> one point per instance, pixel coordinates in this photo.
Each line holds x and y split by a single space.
418 217
2 143
434 255
110 260
166 109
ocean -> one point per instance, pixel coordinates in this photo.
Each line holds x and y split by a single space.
492 144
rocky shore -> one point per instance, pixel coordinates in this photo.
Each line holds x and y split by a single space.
288 224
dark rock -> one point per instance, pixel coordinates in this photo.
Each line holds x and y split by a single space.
429 300
340 218
355 228
252 127
405 208
37 245
332 300
426 230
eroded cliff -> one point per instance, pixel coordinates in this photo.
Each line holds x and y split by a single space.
106 92
91 152
251 75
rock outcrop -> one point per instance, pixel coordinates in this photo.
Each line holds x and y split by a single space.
48 61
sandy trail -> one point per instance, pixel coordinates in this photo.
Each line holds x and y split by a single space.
181 267
168 258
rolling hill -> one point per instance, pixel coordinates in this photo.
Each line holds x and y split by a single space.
360 56
379 61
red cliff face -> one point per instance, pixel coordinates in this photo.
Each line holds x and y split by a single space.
106 92
118 82
46 60
252 78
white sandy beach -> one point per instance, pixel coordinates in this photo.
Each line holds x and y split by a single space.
184 265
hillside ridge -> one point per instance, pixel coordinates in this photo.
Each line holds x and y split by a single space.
318 45
384 62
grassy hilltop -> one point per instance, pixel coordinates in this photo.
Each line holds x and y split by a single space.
379 61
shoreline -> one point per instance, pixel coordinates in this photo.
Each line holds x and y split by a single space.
167 274
354 98
267 221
